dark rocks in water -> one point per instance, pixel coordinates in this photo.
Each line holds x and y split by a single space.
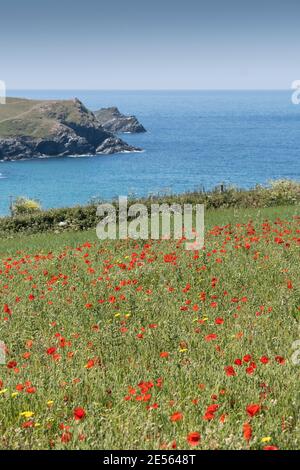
38 128
116 145
113 121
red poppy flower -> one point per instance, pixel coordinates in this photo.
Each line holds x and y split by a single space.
177 416
247 358
253 409
238 362
229 370
164 354
193 438
90 363
66 437
280 359
210 337
270 448
51 351
247 431
208 416
79 414
213 408
169 258
28 424
6 309
264 360
11 364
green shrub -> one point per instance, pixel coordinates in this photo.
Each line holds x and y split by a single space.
29 218
22 206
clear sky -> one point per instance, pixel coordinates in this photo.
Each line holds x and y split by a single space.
149 44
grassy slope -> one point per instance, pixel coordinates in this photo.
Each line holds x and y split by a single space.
35 118
250 282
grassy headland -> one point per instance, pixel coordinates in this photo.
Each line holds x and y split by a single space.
36 118
35 128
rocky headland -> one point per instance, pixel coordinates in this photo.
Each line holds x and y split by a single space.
39 128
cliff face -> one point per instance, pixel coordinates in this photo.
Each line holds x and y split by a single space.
113 121
30 128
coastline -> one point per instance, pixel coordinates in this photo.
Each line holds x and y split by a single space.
46 157
193 140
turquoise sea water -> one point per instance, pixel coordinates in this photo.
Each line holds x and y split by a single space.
194 139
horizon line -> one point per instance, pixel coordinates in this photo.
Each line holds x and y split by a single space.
148 89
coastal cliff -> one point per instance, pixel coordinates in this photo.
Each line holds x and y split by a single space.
37 128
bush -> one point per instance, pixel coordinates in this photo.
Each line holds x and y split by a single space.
23 206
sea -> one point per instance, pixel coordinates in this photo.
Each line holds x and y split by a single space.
194 140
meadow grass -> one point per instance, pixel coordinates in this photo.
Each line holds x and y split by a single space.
138 344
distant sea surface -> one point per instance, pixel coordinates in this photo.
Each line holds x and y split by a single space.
195 139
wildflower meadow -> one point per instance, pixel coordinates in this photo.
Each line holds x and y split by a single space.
141 344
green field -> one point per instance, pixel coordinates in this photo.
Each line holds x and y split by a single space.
145 345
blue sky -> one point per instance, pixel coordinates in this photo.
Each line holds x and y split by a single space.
153 44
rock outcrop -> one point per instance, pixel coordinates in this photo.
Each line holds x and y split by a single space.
30 128
115 145
113 121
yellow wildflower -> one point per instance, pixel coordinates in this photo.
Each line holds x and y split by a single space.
27 414
266 439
